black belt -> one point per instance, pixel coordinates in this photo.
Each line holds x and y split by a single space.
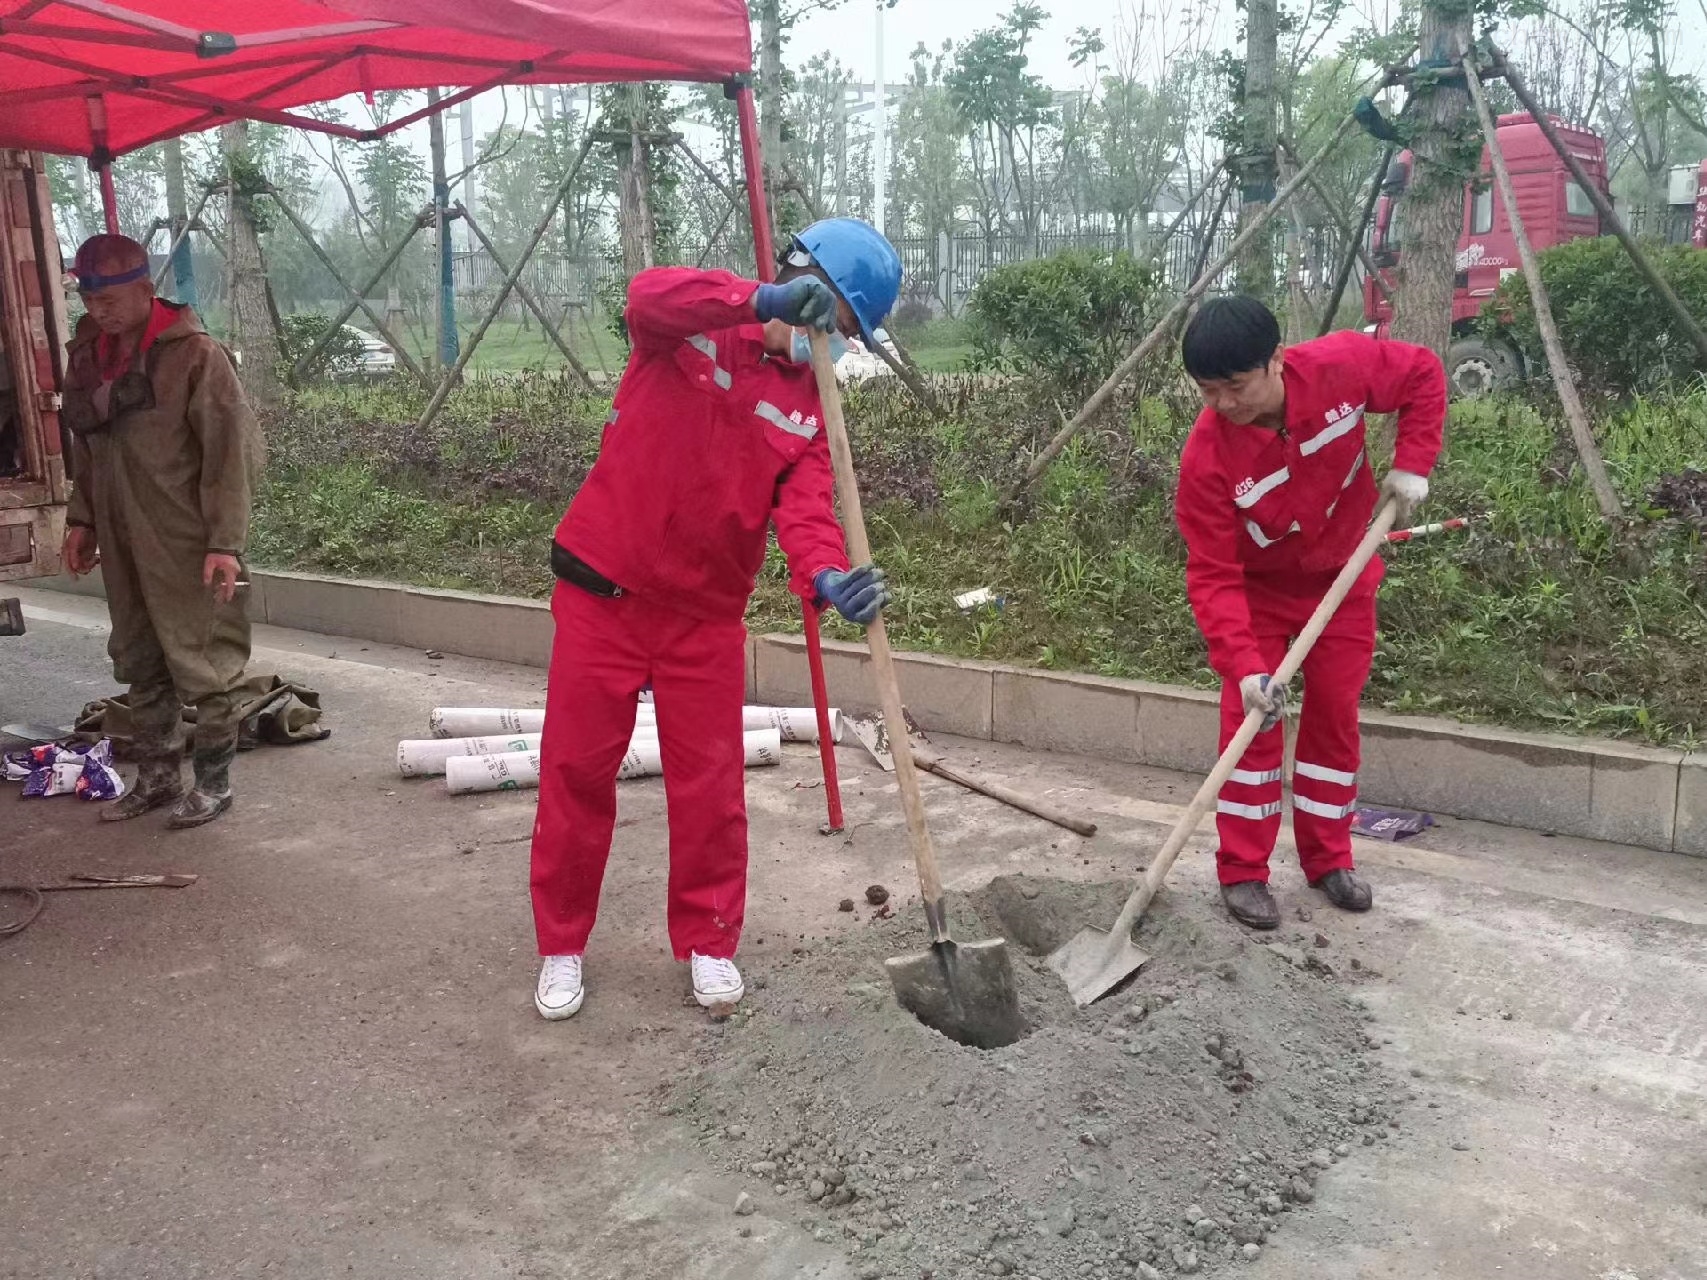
570 568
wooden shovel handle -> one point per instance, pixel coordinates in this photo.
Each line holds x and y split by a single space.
1007 795
882 660
1206 794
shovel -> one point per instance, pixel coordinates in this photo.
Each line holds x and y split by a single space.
964 990
1092 963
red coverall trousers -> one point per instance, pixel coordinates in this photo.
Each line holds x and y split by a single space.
604 652
1324 782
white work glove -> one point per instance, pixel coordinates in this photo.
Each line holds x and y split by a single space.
1408 490
1262 694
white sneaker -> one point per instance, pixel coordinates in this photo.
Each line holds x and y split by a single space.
559 993
715 981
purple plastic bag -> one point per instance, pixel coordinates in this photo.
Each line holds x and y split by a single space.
1390 824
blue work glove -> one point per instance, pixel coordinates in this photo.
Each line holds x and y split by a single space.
805 302
858 594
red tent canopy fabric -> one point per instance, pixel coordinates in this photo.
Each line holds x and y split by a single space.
80 75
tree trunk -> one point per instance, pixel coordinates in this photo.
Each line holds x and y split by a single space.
1257 167
445 345
770 99
634 182
252 333
1444 154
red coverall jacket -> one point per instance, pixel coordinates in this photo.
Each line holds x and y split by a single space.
1285 509
710 441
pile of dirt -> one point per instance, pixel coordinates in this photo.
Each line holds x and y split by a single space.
1168 1129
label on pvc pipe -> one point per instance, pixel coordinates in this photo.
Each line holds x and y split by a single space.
519 770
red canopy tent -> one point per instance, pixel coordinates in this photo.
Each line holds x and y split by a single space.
99 78
77 76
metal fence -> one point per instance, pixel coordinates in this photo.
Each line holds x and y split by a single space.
1669 223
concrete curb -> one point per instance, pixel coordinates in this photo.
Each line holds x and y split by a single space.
1587 787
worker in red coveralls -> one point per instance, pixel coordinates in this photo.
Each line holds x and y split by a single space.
1275 492
715 436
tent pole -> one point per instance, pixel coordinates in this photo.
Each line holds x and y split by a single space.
101 161
765 250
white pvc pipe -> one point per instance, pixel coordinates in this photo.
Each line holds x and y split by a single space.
480 722
425 757
798 724
519 770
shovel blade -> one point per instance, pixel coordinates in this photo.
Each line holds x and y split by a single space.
964 990
1092 963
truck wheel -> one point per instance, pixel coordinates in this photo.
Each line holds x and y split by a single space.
1476 367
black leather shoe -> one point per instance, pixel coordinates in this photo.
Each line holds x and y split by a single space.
1346 890
1251 904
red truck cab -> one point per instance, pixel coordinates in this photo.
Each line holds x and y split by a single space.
1554 210
33 483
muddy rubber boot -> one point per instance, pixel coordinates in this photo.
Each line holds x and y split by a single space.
1346 890
1251 904
211 796
157 784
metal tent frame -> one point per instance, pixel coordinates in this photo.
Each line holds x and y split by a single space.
148 70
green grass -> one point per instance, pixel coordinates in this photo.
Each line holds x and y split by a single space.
509 346
1541 616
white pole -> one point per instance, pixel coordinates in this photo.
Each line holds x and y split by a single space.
880 153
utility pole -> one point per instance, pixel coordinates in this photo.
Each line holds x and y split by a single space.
447 343
178 216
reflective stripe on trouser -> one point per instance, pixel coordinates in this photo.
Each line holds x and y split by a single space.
604 652
1324 789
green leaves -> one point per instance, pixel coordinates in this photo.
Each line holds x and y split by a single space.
1065 320
1617 337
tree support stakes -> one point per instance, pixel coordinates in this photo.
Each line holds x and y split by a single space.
1180 217
909 375
1608 215
1102 395
526 295
183 234
359 300
514 274
1214 227
1356 250
307 234
1587 450
1353 234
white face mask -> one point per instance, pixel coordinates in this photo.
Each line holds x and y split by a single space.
801 352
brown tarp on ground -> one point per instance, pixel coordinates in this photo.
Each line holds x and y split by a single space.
273 712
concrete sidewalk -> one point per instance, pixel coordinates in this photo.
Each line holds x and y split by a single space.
322 1059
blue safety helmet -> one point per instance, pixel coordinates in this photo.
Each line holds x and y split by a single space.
861 264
